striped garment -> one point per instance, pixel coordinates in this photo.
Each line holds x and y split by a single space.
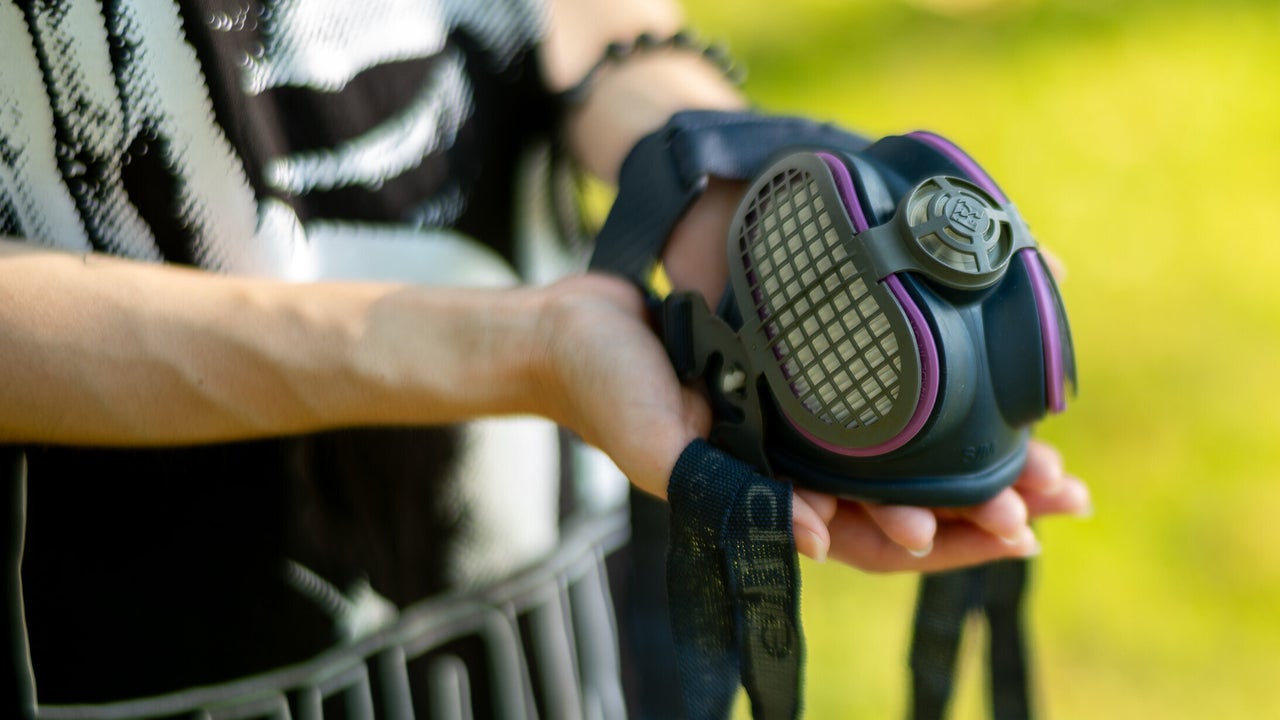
292 139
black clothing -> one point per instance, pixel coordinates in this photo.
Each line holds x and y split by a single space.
217 134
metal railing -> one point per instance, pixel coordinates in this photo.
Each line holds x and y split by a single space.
547 638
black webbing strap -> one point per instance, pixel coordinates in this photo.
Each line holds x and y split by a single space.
733 580
946 600
732 574
668 169
17 688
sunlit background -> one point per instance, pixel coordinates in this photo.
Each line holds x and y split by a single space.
1142 142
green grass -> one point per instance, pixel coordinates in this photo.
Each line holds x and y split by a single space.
1142 142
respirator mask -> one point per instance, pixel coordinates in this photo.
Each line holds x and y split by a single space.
890 331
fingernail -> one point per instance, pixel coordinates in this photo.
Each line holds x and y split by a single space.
922 552
818 548
1030 544
1086 509
1033 549
1026 535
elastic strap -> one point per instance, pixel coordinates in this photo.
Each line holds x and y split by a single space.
732 573
1006 588
668 169
17 689
733 583
946 601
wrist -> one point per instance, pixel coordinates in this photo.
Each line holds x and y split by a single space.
520 340
555 368
584 327
427 356
695 255
632 99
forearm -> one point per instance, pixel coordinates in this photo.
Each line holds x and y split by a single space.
106 351
100 350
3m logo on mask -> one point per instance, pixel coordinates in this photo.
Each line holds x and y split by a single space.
967 215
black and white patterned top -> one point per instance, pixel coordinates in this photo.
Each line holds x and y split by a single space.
239 136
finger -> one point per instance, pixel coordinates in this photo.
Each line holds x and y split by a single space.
1004 516
912 528
823 503
696 411
1073 498
1046 487
809 528
1056 266
961 545
1043 472
856 540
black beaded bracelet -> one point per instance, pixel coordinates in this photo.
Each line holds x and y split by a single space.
617 52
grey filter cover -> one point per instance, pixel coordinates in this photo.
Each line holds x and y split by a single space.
823 325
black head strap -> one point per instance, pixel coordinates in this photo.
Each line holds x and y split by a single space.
732 576
669 169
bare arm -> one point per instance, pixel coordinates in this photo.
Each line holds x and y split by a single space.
98 350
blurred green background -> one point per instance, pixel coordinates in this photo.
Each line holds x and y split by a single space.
1141 140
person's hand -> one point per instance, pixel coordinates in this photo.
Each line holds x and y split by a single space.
606 377
883 537
609 380
613 384
889 538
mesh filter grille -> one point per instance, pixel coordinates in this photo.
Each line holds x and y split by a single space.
827 329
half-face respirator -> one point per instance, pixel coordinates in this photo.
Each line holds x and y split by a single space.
890 331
